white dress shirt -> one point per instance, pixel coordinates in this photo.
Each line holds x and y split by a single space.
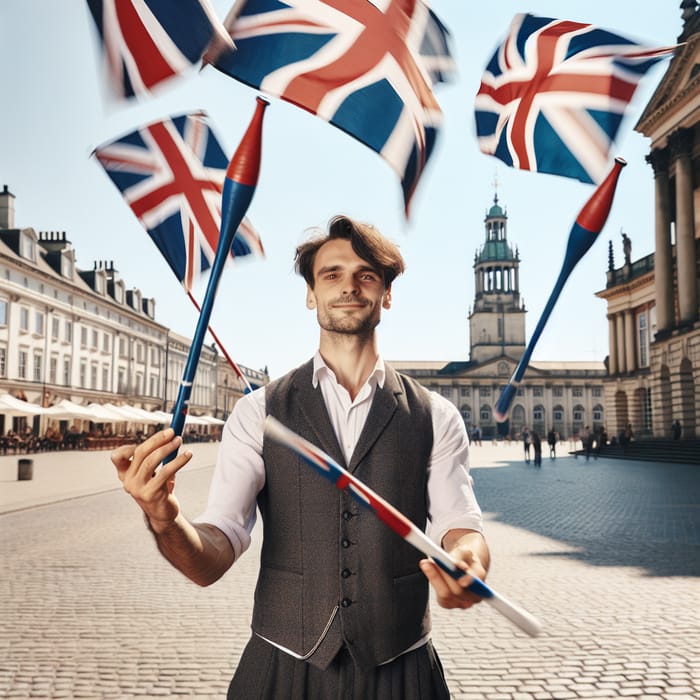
240 472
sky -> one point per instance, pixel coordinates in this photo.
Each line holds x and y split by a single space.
55 111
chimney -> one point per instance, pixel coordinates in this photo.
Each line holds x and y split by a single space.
7 209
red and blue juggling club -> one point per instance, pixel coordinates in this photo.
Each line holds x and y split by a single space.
583 234
395 520
239 186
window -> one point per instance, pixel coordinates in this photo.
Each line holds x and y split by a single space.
597 391
83 337
66 267
519 392
105 343
27 247
68 329
465 391
538 414
121 386
38 323
446 391
3 362
155 356
598 413
83 374
95 339
558 391
485 414
22 364
577 392
3 312
484 391
55 325
643 339
93 375
538 391
38 365
122 347
558 414
139 352
105 378
578 414
66 371
24 319
53 369
466 412
154 385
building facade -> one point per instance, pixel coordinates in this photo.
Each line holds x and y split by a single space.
564 396
653 312
82 335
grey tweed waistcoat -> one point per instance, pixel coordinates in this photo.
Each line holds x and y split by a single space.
331 573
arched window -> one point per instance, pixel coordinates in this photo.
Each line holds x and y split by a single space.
466 412
485 414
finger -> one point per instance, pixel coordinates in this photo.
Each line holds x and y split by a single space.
150 454
121 459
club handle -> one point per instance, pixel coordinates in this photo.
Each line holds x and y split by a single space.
520 618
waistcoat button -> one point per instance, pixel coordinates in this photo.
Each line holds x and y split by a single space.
345 573
347 515
345 542
346 602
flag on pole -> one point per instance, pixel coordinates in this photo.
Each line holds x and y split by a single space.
554 93
171 173
367 68
146 42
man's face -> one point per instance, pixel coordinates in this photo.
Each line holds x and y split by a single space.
348 293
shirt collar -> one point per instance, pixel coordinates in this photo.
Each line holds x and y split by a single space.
322 369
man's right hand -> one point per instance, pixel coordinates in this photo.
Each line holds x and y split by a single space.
150 487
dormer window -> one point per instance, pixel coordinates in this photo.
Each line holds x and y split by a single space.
67 266
27 247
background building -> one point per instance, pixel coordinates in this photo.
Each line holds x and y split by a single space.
654 357
565 396
82 335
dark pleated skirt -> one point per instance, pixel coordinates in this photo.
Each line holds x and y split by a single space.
266 673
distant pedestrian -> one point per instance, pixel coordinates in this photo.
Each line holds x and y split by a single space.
526 444
587 442
677 430
537 448
476 436
552 440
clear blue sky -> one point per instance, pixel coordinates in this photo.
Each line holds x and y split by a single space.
54 113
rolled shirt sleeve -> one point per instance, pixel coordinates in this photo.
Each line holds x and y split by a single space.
452 502
239 474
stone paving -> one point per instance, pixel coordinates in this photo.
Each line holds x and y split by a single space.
605 553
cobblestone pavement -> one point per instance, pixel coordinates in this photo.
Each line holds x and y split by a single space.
605 553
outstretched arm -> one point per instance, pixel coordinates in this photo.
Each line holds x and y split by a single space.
201 552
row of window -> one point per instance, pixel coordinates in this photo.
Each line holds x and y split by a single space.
89 337
537 391
578 414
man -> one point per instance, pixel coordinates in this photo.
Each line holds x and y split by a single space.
341 604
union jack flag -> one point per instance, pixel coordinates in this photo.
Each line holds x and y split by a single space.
553 95
367 68
171 173
146 42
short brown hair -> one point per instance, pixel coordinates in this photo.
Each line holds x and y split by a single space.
366 241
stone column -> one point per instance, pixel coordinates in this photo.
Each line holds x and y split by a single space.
630 344
620 337
612 342
663 261
681 142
